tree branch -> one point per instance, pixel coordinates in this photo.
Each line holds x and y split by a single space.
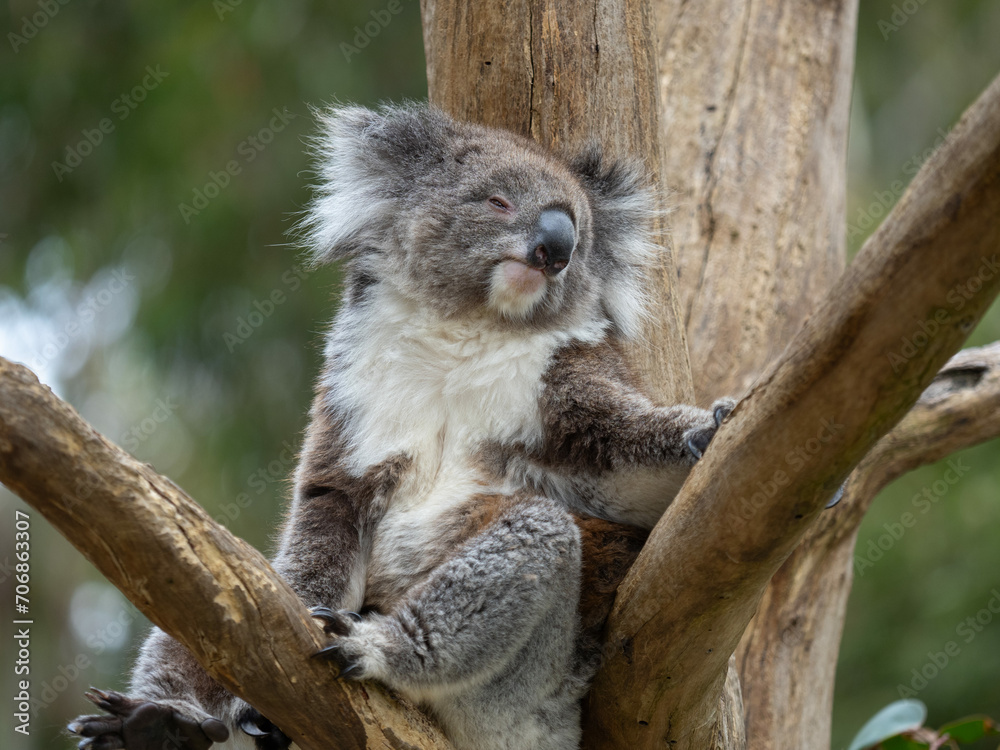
959 409
845 380
789 653
171 559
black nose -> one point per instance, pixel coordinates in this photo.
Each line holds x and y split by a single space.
552 241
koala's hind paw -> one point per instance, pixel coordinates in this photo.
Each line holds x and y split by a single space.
138 724
698 438
338 623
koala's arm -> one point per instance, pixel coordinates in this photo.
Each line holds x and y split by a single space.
323 551
628 455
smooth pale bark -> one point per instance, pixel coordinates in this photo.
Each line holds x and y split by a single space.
213 592
755 101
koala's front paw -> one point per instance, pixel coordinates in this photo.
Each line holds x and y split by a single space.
697 438
341 652
138 724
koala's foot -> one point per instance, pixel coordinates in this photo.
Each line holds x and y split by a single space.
339 623
266 736
698 438
138 724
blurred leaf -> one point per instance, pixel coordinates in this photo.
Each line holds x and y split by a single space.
901 742
894 719
970 729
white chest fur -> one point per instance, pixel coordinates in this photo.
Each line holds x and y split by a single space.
409 382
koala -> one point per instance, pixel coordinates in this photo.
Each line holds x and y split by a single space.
474 405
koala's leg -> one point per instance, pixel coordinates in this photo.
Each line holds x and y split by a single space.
487 642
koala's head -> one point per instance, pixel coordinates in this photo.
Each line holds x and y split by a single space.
479 222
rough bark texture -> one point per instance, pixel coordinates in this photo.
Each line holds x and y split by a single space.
754 105
748 127
843 381
788 656
171 559
755 155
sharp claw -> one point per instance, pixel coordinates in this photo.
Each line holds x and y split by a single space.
252 729
100 699
837 496
326 653
348 669
355 615
695 451
323 613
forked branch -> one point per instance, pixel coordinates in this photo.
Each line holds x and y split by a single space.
876 342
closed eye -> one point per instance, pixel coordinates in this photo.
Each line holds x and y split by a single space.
499 203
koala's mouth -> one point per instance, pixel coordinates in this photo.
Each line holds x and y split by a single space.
522 278
516 288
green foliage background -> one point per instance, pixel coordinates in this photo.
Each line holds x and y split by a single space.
158 359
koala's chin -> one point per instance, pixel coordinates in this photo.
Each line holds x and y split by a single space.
516 289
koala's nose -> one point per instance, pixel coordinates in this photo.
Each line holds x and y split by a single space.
552 242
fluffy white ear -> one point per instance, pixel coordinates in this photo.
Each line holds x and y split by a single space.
367 164
624 215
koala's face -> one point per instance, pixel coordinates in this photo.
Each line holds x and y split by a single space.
481 223
497 227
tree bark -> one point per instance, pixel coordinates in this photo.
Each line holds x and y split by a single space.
748 126
841 384
251 632
788 655
756 157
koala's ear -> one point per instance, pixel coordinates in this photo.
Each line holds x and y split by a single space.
368 162
624 215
